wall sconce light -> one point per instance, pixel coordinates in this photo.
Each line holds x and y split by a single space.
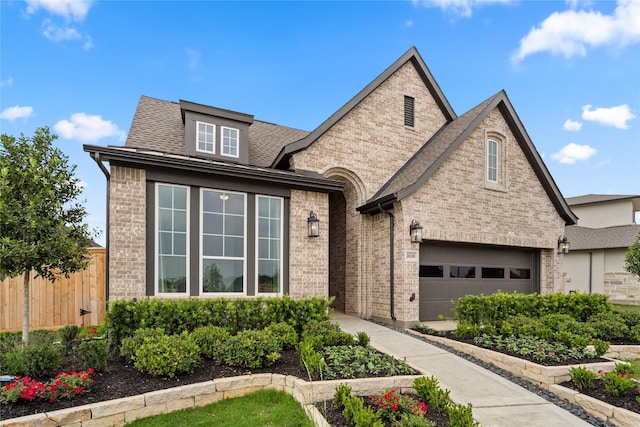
313 225
412 297
563 245
415 231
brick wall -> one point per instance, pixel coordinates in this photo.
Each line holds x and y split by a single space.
308 256
127 241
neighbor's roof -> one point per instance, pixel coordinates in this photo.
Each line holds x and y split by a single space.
157 125
435 151
584 238
597 198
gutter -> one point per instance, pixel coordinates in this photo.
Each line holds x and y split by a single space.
96 157
391 261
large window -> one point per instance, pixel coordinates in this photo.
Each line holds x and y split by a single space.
492 161
269 261
223 242
229 142
171 241
206 137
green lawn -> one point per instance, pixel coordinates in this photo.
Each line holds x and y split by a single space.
625 307
268 408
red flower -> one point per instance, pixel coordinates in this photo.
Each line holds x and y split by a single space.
394 406
78 390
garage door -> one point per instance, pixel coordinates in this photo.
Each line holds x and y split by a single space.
451 271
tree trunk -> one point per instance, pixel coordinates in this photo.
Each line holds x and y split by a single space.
25 310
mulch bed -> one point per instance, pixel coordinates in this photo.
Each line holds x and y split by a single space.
334 417
627 401
124 380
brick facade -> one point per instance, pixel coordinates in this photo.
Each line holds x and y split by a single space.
127 237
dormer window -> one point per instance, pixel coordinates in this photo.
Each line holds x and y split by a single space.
492 161
229 142
206 137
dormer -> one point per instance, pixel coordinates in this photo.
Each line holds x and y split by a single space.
214 133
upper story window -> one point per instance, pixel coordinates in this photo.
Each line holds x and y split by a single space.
492 161
206 137
229 142
408 111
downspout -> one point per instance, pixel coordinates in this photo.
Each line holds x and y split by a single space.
391 262
590 270
96 157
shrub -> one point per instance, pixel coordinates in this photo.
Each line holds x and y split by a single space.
467 330
461 415
353 409
310 360
69 338
211 339
131 344
358 362
582 378
634 333
624 369
35 360
167 355
617 384
251 349
630 318
600 346
284 333
608 326
324 333
429 389
93 354
363 339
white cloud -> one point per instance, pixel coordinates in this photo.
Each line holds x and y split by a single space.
71 10
85 127
8 82
458 7
59 34
571 32
572 126
193 57
16 112
569 154
614 116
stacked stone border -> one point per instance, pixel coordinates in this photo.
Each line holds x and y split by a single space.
119 412
549 377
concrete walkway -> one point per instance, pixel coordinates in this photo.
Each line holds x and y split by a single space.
497 402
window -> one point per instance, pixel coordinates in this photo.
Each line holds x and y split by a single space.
206 137
492 161
520 273
408 110
431 271
229 142
492 273
171 238
222 241
269 226
462 272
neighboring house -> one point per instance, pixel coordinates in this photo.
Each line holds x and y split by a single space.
207 202
606 228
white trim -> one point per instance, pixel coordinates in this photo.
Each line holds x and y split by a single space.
257 245
156 239
222 153
201 256
213 151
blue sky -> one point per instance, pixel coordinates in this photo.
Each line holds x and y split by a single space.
571 69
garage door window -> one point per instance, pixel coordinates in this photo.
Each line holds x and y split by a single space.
462 272
520 273
492 273
431 271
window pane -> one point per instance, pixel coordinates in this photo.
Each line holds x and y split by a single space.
235 204
212 223
263 227
179 198
492 273
263 248
165 219
268 277
519 273
222 275
172 274
165 243
275 249
275 228
180 244
180 221
462 272
165 196
234 246
212 246
263 207
275 208
233 225
212 201
431 271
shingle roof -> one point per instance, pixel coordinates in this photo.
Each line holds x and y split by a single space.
157 125
584 238
597 198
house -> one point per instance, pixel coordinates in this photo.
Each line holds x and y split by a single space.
394 205
606 228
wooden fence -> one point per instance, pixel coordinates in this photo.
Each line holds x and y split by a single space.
55 305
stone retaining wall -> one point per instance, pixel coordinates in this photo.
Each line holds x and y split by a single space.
119 412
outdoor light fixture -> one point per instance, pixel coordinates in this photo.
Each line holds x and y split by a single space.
415 231
563 245
313 225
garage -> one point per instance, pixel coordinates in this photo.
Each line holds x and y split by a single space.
451 271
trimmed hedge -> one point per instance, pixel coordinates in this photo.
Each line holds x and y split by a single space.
176 316
492 309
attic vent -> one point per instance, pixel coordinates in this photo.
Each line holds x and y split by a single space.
408 111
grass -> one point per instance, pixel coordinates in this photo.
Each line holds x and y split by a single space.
625 307
261 408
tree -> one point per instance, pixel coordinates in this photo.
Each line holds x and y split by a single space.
41 223
632 258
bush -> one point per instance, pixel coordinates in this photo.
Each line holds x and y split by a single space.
429 389
600 346
363 339
467 330
624 369
461 415
131 344
582 378
310 360
69 338
618 384
34 360
167 355
284 333
630 318
251 349
211 339
608 326
324 333
93 354
634 333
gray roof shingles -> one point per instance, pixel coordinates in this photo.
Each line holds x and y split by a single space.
597 198
584 238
